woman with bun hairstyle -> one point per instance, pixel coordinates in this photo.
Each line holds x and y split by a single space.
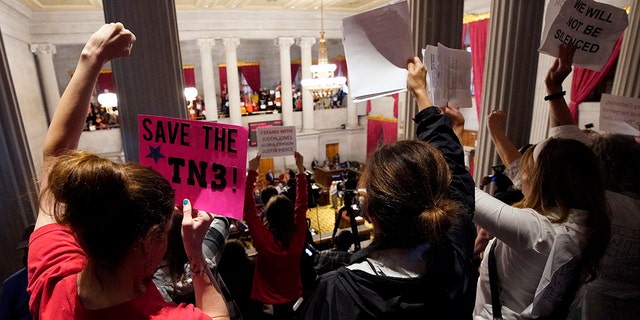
94 260
419 198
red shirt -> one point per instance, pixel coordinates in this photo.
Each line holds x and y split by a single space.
276 278
55 259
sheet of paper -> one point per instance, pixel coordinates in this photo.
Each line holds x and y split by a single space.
591 26
448 75
204 161
620 115
276 141
377 44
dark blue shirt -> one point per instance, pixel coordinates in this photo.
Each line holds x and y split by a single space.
14 300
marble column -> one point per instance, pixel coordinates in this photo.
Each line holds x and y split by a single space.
305 44
144 87
233 80
352 113
286 91
208 81
44 54
19 205
427 28
509 84
627 79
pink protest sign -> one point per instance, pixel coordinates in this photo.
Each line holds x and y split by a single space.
204 161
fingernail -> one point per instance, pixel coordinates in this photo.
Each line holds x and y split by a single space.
185 202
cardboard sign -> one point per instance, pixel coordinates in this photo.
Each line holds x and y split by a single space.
591 26
204 161
276 141
377 44
448 75
620 115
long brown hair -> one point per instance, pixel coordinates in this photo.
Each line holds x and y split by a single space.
566 175
108 205
407 186
279 212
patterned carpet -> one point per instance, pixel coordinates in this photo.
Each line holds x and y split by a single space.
322 222
322 218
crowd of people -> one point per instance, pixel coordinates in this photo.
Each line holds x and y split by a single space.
442 248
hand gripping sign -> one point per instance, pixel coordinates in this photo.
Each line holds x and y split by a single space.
204 161
592 27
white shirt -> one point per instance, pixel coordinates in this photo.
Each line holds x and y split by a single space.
531 256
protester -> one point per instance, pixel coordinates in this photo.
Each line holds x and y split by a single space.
420 201
277 282
89 261
548 244
615 293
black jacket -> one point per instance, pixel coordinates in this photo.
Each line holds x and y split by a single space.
447 291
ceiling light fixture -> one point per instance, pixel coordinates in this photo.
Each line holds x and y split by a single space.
323 83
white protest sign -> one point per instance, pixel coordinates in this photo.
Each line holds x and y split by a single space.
448 75
276 141
620 115
592 27
377 44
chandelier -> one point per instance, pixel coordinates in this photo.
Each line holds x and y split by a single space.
323 83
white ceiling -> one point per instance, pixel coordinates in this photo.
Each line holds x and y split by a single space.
471 6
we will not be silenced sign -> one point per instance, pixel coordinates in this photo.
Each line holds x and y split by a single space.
592 27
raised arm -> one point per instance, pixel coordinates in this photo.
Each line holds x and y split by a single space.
109 42
559 113
506 150
435 128
302 193
206 289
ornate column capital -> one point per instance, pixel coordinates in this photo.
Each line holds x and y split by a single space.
230 43
285 42
306 41
205 43
43 48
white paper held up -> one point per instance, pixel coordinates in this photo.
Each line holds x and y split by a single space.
377 44
448 75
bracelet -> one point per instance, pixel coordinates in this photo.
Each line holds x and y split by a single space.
555 95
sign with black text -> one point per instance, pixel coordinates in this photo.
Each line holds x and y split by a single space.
592 27
620 115
204 161
276 141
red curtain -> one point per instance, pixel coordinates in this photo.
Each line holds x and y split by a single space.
585 80
252 74
105 82
478 33
382 130
189 77
341 67
223 78
295 67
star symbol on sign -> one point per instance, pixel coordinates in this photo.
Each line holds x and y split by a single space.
155 154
